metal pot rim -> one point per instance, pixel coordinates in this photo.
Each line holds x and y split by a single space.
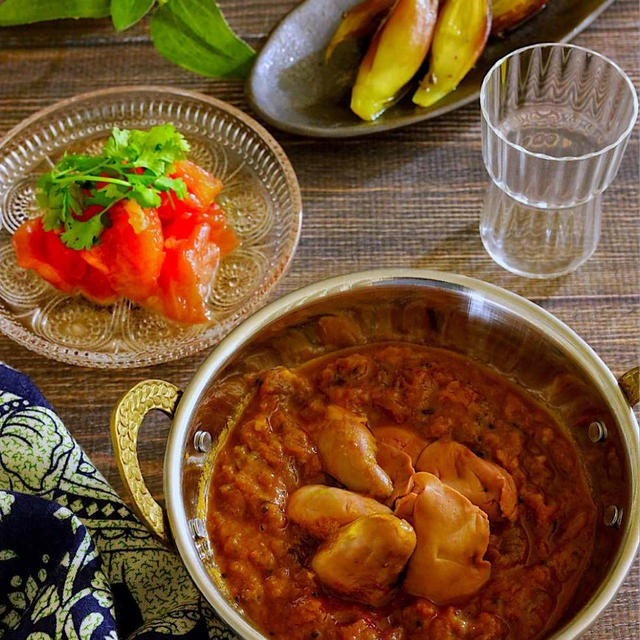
554 329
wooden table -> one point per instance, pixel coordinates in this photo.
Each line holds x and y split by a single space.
409 198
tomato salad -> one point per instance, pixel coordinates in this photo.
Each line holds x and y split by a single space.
138 221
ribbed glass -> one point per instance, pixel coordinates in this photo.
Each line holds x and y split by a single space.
556 119
538 243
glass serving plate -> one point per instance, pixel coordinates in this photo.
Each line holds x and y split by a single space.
261 198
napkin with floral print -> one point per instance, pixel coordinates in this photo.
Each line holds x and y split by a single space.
74 560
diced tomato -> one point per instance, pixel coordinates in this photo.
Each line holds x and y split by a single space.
162 258
60 257
64 268
222 234
187 273
204 186
29 245
169 207
182 226
202 189
130 251
95 258
95 286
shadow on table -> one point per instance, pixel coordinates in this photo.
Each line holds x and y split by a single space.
463 253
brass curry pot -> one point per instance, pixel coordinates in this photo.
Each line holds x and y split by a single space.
491 325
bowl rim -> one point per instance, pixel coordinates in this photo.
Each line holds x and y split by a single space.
553 328
22 335
489 119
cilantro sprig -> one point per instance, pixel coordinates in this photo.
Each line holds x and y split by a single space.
133 164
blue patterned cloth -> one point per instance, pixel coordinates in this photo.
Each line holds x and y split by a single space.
74 560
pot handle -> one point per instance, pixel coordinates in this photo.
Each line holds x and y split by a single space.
126 419
630 384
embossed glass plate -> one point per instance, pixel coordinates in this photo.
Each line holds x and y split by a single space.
261 197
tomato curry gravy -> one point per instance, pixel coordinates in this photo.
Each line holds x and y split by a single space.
399 492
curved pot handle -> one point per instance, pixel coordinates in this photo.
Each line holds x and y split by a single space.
630 384
126 419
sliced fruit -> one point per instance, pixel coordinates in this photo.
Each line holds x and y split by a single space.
395 54
459 39
362 20
161 258
221 233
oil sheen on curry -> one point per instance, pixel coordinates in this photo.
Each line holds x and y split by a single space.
398 492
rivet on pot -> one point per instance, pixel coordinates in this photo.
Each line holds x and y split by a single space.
597 431
197 528
202 441
613 516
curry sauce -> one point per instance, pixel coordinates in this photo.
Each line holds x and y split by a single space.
536 551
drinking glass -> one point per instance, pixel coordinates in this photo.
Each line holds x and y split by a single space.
556 119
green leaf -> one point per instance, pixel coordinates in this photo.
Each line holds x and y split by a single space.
195 35
75 200
83 234
108 194
116 144
51 217
134 164
164 183
14 12
155 149
146 197
125 13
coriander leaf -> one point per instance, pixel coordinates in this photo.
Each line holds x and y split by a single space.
195 35
45 192
73 164
112 191
125 13
116 144
164 183
134 164
146 197
13 12
51 203
107 196
75 201
83 234
155 149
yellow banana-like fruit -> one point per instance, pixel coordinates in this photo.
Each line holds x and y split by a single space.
459 39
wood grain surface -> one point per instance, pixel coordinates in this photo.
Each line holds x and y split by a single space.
408 198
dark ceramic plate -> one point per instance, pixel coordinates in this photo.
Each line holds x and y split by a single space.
292 88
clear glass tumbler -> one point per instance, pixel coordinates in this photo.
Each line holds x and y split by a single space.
556 119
